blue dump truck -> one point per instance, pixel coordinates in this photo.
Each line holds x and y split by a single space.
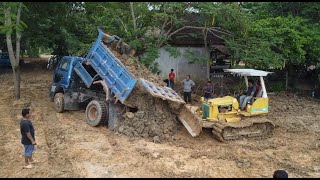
100 83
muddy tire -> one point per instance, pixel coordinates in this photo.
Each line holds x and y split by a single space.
96 113
59 102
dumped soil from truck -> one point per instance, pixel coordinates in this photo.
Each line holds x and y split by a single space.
69 147
155 118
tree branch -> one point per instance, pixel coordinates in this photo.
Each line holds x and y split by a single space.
133 18
223 30
214 29
163 25
215 34
193 27
122 23
166 34
176 31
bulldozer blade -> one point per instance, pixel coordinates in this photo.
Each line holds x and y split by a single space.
190 120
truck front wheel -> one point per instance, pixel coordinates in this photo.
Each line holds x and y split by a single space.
96 113
59 102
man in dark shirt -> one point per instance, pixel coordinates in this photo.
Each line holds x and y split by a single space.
28 140
208 91
244 99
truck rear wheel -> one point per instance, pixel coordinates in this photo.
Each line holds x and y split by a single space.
59 102
96 113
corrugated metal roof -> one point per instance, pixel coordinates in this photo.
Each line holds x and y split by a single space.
248 72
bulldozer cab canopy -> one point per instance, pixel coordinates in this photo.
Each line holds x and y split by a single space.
251 72
247 72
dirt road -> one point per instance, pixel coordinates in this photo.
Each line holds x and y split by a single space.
68 147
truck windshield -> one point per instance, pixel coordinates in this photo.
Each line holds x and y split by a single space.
64 65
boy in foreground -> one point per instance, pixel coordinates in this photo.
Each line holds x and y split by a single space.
27 139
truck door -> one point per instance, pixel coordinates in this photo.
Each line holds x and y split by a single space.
61 73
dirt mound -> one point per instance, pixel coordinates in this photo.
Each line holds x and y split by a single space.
155 118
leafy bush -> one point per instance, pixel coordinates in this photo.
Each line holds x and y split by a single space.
154 67
149 56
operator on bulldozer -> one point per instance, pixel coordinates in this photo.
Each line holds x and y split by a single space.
244 99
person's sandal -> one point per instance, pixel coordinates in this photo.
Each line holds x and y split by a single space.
27 167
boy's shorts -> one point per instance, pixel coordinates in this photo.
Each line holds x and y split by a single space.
28 150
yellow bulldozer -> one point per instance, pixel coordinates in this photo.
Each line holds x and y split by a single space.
224 116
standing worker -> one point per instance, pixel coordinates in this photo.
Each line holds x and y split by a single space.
171 78
187 84
28 140
208 91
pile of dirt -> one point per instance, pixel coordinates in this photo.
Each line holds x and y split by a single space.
155 118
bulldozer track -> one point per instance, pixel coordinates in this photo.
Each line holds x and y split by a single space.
253 128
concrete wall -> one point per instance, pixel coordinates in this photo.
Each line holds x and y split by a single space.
181 65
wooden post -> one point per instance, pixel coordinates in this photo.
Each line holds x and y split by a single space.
222 86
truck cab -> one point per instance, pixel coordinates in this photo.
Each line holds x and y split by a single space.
68 90
62 75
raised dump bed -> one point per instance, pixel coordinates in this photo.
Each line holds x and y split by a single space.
110 69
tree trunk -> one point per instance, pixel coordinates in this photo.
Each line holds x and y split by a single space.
133 19
205 32
16 81
17 68
14 60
